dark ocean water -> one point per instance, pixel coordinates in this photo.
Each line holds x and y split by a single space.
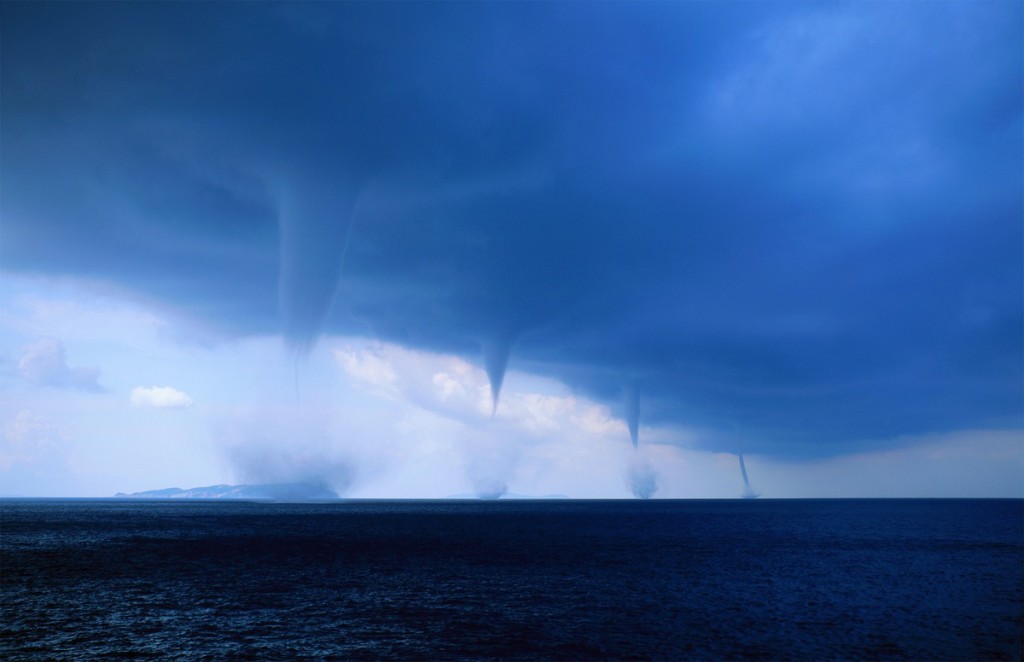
671 580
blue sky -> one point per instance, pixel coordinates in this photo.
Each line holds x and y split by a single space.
266 242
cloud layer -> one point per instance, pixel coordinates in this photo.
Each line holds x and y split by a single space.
160 397
29 439
44 362
795 228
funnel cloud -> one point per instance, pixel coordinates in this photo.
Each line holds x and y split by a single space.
748 492
315 228
633 413
496 352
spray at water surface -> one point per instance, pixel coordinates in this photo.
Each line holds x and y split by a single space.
642 480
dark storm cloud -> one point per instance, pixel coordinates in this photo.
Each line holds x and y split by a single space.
801 219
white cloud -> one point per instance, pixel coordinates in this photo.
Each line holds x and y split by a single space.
44 362
28 438
442 384
540 432
451 387
368 365
161 397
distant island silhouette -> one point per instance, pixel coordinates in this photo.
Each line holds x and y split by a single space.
272 491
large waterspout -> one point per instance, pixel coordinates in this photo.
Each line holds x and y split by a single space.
315 229
633 413
748 492
496 351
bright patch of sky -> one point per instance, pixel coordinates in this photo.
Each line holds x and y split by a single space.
374 419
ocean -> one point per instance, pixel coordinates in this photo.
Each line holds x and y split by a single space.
560 579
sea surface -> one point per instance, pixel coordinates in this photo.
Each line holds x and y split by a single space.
587 580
